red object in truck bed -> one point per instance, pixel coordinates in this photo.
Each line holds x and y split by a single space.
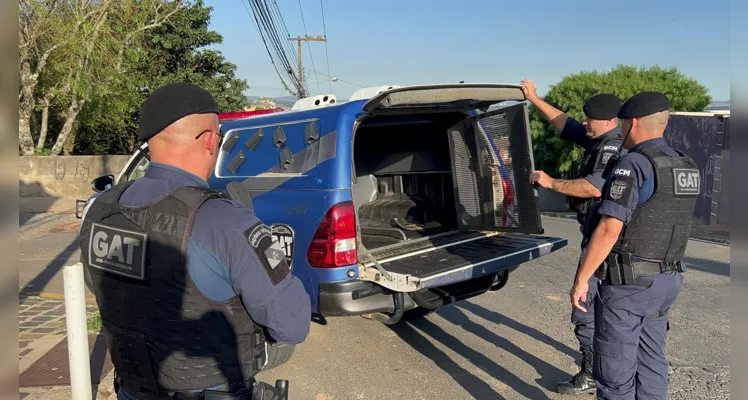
244 114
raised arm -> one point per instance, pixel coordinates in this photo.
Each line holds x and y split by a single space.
553 115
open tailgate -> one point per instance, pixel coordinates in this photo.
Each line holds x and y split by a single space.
452 257
453 97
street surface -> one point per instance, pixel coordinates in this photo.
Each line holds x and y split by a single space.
512 344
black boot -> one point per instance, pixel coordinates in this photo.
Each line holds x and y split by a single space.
581 383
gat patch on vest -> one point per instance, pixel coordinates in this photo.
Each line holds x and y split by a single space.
621 189
686 181
269 250
116 250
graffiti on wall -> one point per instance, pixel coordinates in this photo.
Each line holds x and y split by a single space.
72 169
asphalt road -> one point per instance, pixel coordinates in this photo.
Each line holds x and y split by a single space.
512 344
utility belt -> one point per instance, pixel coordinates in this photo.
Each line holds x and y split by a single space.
251 390
623 269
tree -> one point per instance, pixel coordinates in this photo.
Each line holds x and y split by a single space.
172 52
77 50
561 158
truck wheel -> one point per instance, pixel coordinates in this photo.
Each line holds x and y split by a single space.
279 354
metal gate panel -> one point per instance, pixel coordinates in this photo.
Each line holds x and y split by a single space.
492 161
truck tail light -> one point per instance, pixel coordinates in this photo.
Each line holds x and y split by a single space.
334 242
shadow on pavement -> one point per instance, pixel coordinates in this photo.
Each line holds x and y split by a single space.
497 318
40 281
710 266
464 378
474 385
549 374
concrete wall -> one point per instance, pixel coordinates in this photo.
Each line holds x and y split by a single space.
64 176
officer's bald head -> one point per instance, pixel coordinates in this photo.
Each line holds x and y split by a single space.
190 143
180 123
655 123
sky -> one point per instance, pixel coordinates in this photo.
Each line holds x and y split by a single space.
408 42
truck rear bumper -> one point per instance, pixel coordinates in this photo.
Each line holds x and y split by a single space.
338 299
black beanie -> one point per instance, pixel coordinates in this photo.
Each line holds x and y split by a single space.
602 106
170 103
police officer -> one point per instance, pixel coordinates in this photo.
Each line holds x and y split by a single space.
187 282
640 232
600 137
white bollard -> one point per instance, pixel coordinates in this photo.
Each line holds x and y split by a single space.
77 331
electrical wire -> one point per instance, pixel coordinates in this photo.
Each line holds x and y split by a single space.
266 23
257 25
307 43
327 56
289 47
342 80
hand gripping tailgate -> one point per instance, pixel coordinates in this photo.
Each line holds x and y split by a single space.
451 258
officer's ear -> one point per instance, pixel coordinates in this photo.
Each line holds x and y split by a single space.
211 141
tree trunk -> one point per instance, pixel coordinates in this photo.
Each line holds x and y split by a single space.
25 107
45 123
70 117
26 142
69 146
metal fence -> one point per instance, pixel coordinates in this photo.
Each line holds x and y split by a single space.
705 137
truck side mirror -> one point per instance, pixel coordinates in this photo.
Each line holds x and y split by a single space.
102 183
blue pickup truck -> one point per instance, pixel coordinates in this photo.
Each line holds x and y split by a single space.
394 205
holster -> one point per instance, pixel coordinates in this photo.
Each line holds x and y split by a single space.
619 269
622 269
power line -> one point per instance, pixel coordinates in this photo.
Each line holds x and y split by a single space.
324 30
307 43
257 25
289 48
342 80
265 21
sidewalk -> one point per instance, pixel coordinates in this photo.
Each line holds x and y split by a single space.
42 352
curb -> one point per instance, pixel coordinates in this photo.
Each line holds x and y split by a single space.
54 296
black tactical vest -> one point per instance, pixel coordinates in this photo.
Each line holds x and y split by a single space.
590 164
162 333
659 229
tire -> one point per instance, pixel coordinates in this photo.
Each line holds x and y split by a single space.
279 354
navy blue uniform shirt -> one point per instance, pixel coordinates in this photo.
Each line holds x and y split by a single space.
222 263
576 133
635 181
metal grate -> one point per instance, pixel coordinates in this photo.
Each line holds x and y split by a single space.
492 162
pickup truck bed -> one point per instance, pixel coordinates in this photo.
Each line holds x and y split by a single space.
453 256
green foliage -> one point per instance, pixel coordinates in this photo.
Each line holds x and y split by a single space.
560 158
127 61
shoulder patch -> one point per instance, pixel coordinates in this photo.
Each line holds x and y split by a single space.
621 190
119 251
605 156
269 250
687 181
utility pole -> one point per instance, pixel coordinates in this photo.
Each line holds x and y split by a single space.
302 91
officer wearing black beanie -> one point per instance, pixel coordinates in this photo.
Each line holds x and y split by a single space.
193 298
639 232
600 137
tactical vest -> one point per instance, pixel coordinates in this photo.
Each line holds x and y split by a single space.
659 229
582 205
163 335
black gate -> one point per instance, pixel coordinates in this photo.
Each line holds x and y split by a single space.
706 139
492 161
